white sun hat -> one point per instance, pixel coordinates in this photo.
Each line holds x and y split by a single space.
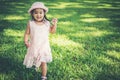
38 5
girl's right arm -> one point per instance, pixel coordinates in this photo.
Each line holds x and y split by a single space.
26 35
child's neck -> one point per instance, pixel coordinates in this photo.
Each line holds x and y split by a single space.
39 22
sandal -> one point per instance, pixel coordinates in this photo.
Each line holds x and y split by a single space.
43 78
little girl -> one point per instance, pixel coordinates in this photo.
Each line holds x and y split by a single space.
36 38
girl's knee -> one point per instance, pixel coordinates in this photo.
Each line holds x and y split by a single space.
43 64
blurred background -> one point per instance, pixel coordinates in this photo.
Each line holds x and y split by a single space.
86 45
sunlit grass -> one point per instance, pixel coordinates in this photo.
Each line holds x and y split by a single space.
89 1
5 47
62 40
60 14
87 15
94 19
61 5
14 17
115 44
66 23
106 60
14 33
93 32
114 54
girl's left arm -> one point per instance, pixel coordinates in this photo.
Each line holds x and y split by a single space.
53 26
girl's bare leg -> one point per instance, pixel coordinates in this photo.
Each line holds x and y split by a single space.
44 69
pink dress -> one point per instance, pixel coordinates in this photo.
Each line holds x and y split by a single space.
39 50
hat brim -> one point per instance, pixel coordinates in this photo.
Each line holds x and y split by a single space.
32 8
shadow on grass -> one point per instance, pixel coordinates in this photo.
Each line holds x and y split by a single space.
12 7
109 72
11 60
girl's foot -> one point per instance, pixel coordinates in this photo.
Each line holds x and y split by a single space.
43 78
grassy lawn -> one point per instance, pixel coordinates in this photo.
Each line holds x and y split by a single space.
85 47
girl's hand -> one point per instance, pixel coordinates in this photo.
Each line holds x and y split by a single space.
54 25
54 21
27 44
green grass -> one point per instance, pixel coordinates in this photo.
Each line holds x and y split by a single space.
85 47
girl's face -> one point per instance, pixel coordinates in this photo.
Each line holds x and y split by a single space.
38 14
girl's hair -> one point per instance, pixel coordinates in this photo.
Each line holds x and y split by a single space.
45 17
